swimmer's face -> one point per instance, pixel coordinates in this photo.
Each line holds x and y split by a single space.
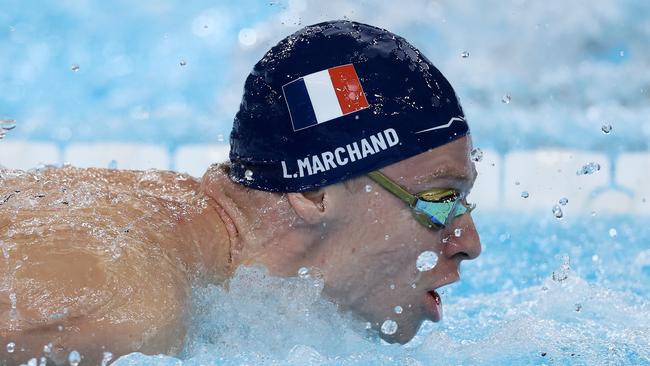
371 267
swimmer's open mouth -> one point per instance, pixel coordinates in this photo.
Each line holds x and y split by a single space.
433 306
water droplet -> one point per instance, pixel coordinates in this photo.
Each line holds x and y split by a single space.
106 358
247 37
594 258
578 307
506 99
465 54
517 183
589 168
220 137
368 188
392 286
621 53
525 194
426 261
32 362
413 285
112 165
11 347
303 272
43 362
74 358
248 174
606 128
7 124
557 212
563 273
564 201
476 154
398 309
389 327
458 232
182 62
47 348
613 233
386 237
74 67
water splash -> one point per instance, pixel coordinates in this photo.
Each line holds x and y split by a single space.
557 212
613 233
5 126
389 327
106 358
563 201
303 272
606 128
589 168
476 154
500 313
74 358
426 261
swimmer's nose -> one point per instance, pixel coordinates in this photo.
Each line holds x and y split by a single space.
463 244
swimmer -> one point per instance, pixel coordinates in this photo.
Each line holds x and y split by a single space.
350 153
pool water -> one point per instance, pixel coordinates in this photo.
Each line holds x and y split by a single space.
544 291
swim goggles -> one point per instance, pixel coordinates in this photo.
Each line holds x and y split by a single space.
434 208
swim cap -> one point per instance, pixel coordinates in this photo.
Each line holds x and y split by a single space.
336 100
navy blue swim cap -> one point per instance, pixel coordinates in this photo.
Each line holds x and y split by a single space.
336 100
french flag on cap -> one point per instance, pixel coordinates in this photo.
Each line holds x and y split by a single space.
324 96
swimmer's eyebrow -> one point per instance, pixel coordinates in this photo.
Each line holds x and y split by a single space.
444 175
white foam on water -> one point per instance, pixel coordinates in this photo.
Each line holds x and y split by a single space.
264 320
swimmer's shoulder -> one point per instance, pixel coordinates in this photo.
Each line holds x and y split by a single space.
95 183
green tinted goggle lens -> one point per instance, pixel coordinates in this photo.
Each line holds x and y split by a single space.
439 213
434 208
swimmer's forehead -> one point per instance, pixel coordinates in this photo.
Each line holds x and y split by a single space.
448 173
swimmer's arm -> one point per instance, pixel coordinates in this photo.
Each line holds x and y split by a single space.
74 301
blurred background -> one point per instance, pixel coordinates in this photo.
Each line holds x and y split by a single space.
557 93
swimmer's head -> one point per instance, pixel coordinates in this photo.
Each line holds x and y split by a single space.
323 108
336 100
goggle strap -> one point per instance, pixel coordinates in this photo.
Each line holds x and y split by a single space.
395 189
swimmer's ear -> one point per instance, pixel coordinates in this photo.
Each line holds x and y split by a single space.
310 206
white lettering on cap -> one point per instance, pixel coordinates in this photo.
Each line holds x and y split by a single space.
328 160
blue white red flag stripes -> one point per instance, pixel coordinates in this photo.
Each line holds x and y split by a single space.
323 96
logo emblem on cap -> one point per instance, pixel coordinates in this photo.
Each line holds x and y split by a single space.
323 96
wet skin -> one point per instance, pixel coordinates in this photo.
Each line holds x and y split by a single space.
103 260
